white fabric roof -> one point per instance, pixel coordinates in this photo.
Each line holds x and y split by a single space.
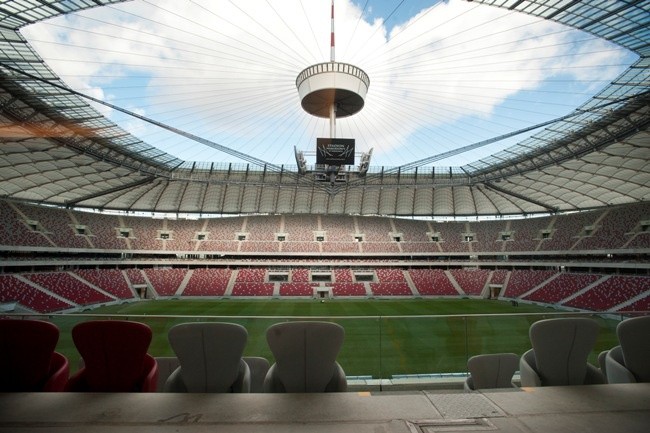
593 159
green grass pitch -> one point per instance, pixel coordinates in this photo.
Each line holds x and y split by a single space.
383 337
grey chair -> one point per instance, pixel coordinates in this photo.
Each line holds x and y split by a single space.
559 354
630 362
489 371
259 367
210 357
305 357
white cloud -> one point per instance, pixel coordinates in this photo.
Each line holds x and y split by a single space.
226 71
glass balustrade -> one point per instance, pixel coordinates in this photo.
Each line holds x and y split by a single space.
375 347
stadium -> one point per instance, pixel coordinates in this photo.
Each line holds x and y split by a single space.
497 176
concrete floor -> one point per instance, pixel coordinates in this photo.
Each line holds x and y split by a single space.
596 408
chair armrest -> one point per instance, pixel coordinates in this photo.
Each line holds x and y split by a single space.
616 370
272 382
59 372
77 382
527 370
594 376
150 381
174 382
339 382
468 385
243 381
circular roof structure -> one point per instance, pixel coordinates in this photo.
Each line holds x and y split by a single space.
69 139
332 84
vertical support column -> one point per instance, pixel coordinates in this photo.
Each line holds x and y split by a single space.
333 120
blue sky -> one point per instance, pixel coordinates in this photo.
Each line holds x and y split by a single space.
443 74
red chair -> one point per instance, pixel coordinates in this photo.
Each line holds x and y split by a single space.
28 362
115 357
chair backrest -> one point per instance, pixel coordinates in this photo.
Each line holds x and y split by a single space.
114 353
305 353
561 348
210 354
634 336
27 354
492 370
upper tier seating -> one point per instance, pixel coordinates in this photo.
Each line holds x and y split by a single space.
526 234
34 226
249 246
300 247
183 234
57 225
375 229
103 230
609 232
487 235
451 239
262 228
567 229
641 240
338 229
300 228
412 230
14 230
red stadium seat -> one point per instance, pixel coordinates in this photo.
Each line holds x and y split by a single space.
115 357
28 361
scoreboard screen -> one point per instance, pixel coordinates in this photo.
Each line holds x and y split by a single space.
335 151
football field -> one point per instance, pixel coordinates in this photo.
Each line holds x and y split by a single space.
383 337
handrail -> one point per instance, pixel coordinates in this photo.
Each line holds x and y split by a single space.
380 317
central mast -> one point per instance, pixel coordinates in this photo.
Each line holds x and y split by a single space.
332 36
333 105
332 90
